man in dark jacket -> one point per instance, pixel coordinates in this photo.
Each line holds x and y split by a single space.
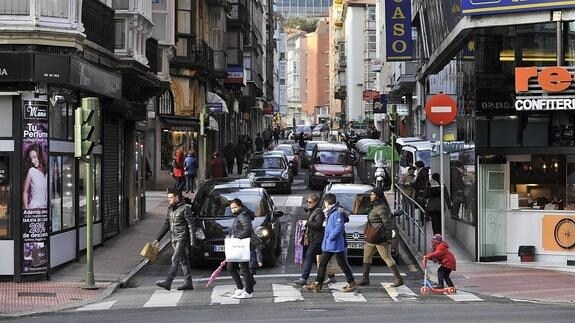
241 229
180 223
259 142
240 153
312 237
433 206
230 155
420 183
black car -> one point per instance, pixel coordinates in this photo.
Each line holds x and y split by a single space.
270 171
206 187
215 219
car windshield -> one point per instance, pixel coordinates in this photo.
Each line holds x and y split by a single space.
331 157
310 145
287 150
424 156
304 129
218 204
267 163
354 203
318 127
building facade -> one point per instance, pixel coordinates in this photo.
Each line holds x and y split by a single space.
317 105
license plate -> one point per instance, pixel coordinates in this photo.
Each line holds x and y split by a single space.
268 184
355 245
335 180
219 248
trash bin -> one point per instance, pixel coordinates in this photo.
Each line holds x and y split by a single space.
526 253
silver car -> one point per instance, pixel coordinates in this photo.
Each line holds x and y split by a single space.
355 199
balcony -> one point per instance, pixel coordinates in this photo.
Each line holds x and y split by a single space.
340 92
152 54
239 16
98 22
194 54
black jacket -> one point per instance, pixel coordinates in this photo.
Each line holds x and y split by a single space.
314 225
180 223
433 195
242 227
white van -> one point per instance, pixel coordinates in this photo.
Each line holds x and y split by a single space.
414 151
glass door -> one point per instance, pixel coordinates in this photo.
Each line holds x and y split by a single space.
492 212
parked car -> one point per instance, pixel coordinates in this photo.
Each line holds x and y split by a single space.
306 132
271 171
330 163
309 146
215 220
354 198
292 156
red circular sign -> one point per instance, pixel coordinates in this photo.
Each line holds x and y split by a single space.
441 109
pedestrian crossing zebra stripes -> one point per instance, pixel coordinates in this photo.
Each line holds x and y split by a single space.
219 295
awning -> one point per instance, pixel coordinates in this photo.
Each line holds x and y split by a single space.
213 124
215 103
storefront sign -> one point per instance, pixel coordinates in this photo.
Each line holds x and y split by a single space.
35 220
485 7
235 75
370 95
215 107
490 100
51 68
398 30
550 80
16 67
95 79
556 232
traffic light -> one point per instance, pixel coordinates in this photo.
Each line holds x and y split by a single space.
86 121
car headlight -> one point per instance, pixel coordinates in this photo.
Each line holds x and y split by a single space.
285 175
200 235
262 232
319 174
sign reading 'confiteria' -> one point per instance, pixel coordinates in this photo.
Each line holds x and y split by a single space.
544 88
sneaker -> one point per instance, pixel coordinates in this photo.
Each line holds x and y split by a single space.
300 282
237 292
244 295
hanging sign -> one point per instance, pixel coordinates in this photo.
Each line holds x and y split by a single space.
398 30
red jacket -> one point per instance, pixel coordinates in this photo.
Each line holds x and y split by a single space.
218 168
179 170
442 255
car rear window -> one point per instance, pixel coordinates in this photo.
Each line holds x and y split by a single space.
287 150
303 129
331 157
218 205
267 163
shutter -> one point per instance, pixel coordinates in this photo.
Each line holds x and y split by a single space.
110 177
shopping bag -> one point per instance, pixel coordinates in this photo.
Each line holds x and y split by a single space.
237 250
150 251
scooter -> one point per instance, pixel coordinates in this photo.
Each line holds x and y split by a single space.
428 287
382 179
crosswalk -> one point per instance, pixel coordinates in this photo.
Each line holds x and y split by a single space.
270 293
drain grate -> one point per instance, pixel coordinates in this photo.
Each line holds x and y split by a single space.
36 294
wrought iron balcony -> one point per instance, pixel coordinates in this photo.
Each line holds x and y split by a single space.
152 54
98 20
193 54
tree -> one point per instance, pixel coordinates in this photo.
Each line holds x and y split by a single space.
308 25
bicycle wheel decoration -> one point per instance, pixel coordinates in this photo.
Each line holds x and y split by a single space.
565 233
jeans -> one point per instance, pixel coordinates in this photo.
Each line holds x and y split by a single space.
181 257
190 179
230 166
248 277
443 275
341 262
311 252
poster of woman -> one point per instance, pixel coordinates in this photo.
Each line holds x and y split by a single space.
35 187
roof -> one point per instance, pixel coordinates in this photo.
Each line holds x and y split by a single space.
335 188
332 147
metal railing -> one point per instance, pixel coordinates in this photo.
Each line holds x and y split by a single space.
412 220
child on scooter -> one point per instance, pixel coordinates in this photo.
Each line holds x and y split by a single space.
444 257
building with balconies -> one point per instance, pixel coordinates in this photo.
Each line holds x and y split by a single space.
296 79
303 8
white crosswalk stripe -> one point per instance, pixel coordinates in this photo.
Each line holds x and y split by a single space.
286 293
401 293
98 306
164 298
221 295
339 296
461 296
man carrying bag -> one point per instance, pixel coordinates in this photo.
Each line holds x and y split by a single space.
180 223
241 229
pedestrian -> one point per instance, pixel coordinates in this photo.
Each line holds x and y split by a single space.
230 155
218 166
190 170
333 244
259 143
433 204
240 154
241 229
178 168
380 215
407 182
457 187
420 183
249 145
180 223
301 140
312 236
267 137
276 135
440 253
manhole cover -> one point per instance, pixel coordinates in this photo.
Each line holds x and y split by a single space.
35 294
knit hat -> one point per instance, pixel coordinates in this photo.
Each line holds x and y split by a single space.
378 191
437 238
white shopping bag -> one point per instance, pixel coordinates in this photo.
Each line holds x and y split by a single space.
237 250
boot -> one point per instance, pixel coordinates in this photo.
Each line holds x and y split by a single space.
313 287
365 279
398 280
188 285
350 287
165 284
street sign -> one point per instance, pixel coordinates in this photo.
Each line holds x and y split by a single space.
402 110
441 109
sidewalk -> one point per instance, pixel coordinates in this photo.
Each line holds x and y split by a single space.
114 264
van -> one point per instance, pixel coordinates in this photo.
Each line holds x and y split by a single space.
414 151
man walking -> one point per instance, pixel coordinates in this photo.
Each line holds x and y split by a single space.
230 155
333 244
312 236
180 223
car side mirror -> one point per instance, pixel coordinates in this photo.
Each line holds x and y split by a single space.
278 214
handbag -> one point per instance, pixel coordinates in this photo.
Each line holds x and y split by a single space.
150 251
373 232
237 250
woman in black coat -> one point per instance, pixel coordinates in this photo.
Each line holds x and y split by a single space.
433 205
241 229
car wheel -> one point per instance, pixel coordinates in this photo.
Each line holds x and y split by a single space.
269 257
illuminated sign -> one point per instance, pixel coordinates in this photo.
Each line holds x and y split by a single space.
398 30
552 80
483 7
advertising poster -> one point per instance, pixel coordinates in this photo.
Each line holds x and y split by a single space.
35 187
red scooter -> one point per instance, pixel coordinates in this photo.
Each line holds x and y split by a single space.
428 287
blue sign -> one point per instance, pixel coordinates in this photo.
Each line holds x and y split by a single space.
215 107
398 30
484 7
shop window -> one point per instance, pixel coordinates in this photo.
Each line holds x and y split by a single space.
61 116
4 197
62 192
462 186
173 139
6 116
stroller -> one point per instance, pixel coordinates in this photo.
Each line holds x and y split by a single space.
428 288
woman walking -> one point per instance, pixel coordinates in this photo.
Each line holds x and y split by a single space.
241 229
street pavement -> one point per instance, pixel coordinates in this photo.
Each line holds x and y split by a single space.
118 260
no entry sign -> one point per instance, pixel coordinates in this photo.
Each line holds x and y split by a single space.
441 109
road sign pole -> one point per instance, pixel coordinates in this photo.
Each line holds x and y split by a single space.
441 186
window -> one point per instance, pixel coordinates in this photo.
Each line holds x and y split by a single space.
54 8
62 192
120 38
6 116
4 197
184 16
